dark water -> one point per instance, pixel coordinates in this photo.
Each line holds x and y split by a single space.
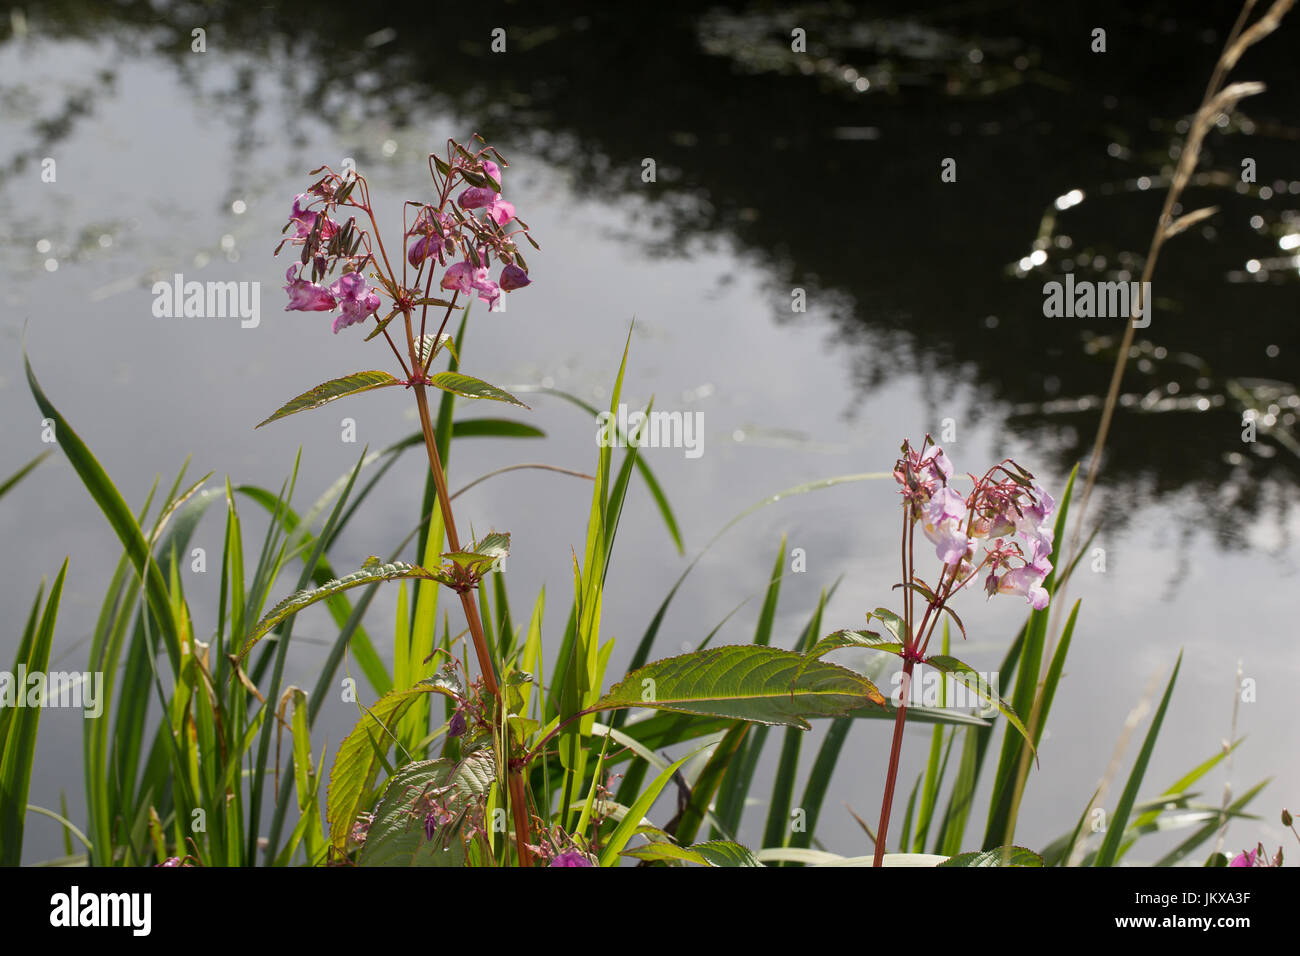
775 172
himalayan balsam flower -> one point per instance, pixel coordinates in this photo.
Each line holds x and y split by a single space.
306 220
1027 581
307 296
357 299
571 858
467 278
487 198
942 525
1244 859
993 511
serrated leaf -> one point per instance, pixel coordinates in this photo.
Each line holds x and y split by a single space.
444 341
467 386
765 685
483 554
868 640
397 837
332 390
712 853
1001 856
893 623
357 762
308 596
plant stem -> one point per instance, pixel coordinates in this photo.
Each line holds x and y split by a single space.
518 798
895 749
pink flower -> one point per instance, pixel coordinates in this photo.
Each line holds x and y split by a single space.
464 277
1032 523
431 227
487 198
571 858
942 524
422 249
1245 859
306 296
1028 580
306 220
357 299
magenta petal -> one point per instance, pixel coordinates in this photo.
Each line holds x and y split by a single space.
501 211
476 197
457 277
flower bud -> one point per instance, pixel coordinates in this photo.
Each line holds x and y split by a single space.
513 277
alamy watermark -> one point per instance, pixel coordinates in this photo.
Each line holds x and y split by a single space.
652 429
25 688
933 688
75 909
1086 299
208 300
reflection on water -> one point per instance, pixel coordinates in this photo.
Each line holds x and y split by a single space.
817 172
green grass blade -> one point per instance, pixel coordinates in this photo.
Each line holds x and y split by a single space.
20 740
19 475
1115 826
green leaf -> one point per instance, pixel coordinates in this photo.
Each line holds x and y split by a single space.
868 640
971 678
469 387
493 428
22 473
777 830
712 853
819 778
19 743
740 775
115 509
1119 819
326 392
481 556
358 760
893 623
764 685
1000 856
626 828
309 596
396 836
706 784
445 341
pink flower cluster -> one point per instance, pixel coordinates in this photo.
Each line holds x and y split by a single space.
1010 514
437 232
320 236
470 232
